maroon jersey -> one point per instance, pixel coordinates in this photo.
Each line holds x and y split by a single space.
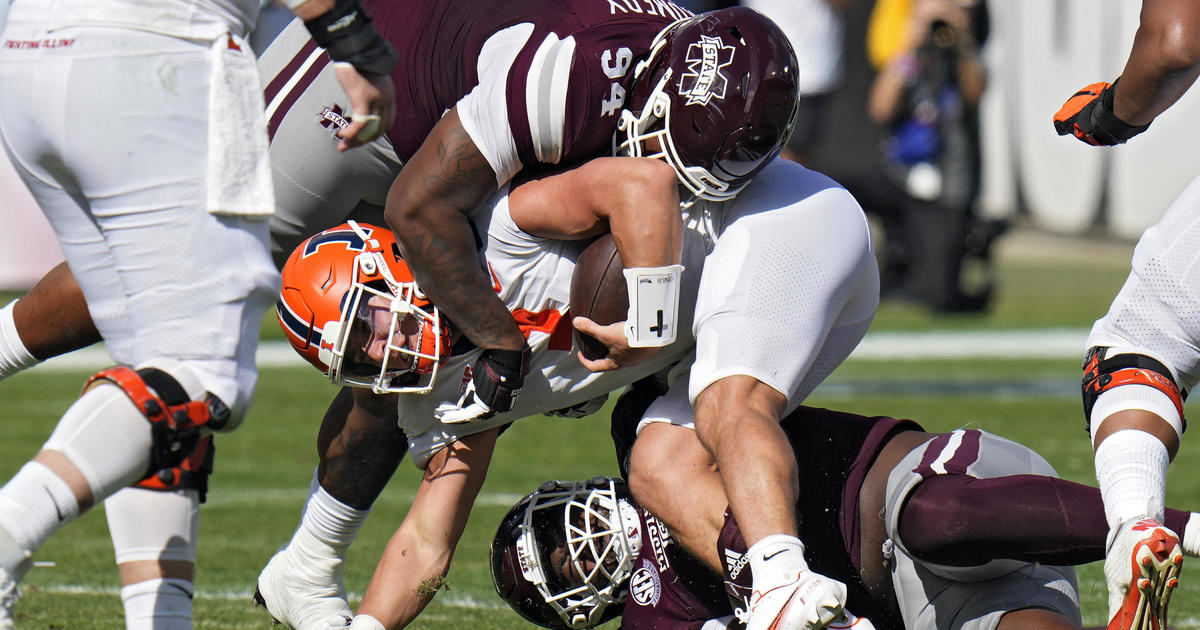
558 73
670 591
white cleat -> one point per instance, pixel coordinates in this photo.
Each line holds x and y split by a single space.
305 594
810 602
9 593
8 598
1142 570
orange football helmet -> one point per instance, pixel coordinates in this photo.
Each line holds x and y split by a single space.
349 285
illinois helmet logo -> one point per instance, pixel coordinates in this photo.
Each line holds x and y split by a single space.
703 80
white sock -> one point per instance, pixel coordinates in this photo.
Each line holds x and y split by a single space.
365 622
14 356
331 521
1131 468
34 504
775 560
1191 536
327 527
159 604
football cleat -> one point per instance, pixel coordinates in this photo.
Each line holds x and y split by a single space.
810 602
849 621
8 598
1142 570
304 596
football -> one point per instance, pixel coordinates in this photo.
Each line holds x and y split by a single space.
598 292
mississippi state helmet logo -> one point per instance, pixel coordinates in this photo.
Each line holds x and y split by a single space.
704 80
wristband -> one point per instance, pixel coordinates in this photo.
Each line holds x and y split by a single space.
346 34
1106 127
653 305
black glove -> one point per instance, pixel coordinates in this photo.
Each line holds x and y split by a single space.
496 380
1088 115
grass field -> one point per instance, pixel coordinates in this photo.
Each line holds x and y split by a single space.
263 469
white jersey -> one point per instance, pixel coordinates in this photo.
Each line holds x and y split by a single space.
532 276
1157 312
788 288
188 19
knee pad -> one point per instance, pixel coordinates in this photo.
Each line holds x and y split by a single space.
178 423
1102 374
191 474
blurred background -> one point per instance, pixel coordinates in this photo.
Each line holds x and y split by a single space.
936 115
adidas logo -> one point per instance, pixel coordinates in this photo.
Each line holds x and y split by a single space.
735 562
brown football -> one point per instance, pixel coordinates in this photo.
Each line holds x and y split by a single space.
598 292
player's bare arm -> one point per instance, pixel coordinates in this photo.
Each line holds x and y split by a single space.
1164 61
636 199
1163 64
417 557
53 317
427 209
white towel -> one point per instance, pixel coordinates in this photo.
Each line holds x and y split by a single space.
239 166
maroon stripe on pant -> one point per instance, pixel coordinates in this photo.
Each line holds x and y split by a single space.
286 73
967 453
294 94
932 451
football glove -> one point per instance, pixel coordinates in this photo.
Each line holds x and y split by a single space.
496 380
1088 115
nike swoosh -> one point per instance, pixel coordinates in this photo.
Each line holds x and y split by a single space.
57 511
772 555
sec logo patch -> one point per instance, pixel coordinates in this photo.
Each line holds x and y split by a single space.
645 586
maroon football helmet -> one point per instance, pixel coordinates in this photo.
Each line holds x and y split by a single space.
718 91
563 554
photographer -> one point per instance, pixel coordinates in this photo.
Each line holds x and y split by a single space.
926 93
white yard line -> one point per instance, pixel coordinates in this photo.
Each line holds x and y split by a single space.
1048 343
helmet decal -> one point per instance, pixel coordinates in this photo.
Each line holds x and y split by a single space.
739 68
703 79
352 240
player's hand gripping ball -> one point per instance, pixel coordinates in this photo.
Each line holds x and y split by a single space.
598 292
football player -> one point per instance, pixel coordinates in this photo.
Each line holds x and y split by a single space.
961 530
1144 354
136 127
301 585
522 86
572 66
